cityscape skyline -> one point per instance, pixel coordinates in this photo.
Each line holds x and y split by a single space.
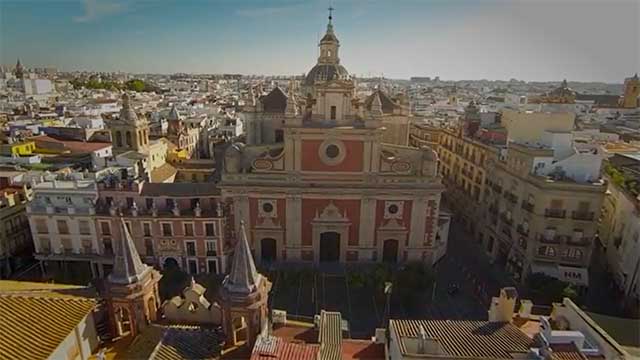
504 39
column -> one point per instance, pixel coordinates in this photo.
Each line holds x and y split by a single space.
418 218
294 227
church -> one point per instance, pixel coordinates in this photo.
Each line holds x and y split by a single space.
328 177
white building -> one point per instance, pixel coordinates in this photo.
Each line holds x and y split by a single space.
61 217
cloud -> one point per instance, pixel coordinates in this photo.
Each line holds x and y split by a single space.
94 9
257 12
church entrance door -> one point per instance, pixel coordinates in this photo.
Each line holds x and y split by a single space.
329 247
390 251
268 250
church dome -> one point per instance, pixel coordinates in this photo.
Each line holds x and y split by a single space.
326 72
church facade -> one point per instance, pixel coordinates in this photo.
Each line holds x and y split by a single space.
324 185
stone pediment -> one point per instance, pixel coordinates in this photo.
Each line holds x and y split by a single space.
331 213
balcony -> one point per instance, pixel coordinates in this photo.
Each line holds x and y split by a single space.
556 239
555 213
512 198
527 206
583 241
583 215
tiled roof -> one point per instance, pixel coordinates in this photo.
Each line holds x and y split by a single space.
180 189
174 343
566 352
388 105
275 101
467 339
162 173
35 319
74 146
274 348
330 336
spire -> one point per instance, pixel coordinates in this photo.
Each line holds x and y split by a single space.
376 104
564 84
174 114
127 113
127 267
243 277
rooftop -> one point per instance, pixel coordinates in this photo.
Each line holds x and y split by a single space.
37 317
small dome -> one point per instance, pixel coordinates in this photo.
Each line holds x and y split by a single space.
326 72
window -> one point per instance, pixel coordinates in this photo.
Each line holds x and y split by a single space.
279 136
84 228
583 207
148 246
146 229
556 204
63 228
105 228
129 202
169 203
547 251
108 249
332 151
128 136
211 248
118 139
193 266
148 203
45 245
188 229
194 201
41 226
212 266
167 229
333 113
66 244
191 248
575 254
549 233
209 229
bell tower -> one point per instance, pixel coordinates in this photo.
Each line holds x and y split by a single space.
129 132
329 44
131 289
244 296
631 92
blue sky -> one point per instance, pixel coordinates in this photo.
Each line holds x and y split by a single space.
455 39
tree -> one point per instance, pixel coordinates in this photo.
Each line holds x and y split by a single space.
411 282
546 289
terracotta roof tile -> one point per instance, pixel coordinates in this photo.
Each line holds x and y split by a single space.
35 321
467 339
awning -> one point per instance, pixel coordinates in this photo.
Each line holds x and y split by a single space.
574 275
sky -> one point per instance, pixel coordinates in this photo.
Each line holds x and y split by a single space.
533 40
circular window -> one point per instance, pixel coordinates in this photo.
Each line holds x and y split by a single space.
332 151
267 207
393 209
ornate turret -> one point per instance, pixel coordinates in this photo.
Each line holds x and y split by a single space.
292 109
131 290
19 72
174 114
328 66
244 296
127 113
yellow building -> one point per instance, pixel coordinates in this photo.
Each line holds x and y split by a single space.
529 126
23 148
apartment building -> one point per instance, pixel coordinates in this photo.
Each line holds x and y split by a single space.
532 203
172 224
620 224
541 209
15 238
61 217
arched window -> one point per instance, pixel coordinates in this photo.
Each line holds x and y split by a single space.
128 138
118 139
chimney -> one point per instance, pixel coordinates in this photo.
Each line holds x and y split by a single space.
502 307
525 309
